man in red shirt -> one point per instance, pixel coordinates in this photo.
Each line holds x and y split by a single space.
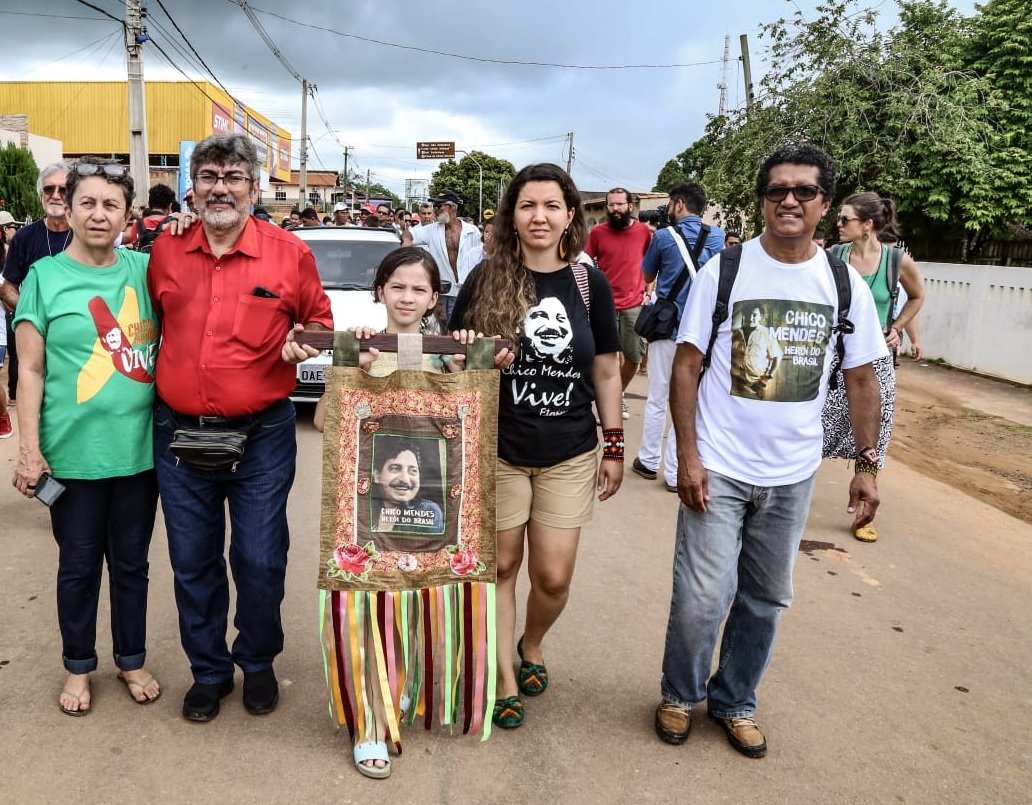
618 247
229 294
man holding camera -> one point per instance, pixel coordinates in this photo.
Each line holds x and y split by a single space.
663 263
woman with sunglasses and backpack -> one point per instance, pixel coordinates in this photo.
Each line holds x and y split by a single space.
88 338
562 318
864 216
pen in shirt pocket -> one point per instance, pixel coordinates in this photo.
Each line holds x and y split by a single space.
264 293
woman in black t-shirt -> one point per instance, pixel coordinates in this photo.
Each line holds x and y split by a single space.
563 318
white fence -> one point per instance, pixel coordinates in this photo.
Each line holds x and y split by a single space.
979 318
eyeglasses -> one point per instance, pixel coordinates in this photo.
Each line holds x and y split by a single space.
10 226
845 219
802 193
54 190
112 169
234 181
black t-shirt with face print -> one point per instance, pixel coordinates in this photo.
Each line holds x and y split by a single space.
544 410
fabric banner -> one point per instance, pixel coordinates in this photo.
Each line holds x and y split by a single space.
407 563
405 505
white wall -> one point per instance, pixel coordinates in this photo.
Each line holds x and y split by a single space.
43 149
979 318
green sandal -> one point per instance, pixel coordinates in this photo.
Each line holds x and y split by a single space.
508 713
532 678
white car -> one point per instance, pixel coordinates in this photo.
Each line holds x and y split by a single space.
347 257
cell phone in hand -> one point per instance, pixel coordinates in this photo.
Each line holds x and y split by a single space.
48 490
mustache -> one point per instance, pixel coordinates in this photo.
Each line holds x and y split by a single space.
402 486
227 199
550 332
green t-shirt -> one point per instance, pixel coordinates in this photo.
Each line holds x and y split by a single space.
101 337
877 281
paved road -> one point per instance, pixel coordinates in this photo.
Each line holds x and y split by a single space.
902 675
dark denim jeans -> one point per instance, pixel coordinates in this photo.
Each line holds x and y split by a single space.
94 520
739 555
194 504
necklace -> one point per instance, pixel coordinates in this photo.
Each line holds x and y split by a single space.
64 246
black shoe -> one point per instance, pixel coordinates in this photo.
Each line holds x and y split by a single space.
642 470
201 702
261 692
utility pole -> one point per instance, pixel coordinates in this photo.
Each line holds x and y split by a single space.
135 36
368 184
569 153
746 73
347 152
303 169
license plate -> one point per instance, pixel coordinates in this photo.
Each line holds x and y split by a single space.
311 374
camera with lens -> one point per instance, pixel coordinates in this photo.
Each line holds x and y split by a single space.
657 218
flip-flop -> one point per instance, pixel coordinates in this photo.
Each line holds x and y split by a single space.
532 678
78 712
129 685
372 750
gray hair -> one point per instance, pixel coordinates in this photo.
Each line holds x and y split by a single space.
225 149
54 167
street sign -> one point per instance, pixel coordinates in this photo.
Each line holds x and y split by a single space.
435 150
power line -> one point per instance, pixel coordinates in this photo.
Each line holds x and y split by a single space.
243 4
102 11
55 16
161 5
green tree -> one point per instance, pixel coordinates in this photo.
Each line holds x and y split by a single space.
463 178
18 174
908 114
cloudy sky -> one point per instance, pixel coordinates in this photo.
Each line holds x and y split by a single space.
479 89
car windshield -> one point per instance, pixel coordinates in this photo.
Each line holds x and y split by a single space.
349 264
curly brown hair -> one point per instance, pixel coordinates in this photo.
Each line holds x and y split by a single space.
503 287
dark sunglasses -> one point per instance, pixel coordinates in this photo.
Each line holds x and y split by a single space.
779 192
54 190
112 169
845 219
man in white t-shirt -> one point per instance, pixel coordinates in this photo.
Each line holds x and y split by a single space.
747 456
449 240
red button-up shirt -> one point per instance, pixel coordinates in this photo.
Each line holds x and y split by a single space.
220 349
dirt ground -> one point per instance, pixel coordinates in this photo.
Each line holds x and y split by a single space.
952 433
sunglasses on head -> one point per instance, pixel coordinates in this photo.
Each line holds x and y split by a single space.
112 169
779 192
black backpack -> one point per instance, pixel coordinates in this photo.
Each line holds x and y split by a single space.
730 259
145 235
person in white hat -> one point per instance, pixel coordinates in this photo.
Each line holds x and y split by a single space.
340 214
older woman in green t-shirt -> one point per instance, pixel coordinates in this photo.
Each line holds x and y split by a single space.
87 338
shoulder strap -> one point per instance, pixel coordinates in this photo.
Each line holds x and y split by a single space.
729 261
580 274
843 325
691 260
892 278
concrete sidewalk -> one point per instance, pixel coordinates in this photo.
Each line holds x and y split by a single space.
902 673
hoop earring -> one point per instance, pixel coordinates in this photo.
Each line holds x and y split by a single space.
563 248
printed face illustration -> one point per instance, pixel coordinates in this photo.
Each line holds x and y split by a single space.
756 317
113 339
548 327
398 478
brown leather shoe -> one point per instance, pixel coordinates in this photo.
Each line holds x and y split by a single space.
673 722
744 735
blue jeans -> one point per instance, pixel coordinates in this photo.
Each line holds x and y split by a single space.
94 520
738 555
193 502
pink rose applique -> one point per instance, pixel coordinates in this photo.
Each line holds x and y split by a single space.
463 563
352 558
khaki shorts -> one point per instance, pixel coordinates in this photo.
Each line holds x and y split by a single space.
560 496
631 344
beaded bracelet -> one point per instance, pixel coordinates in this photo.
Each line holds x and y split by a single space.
612 444
865 466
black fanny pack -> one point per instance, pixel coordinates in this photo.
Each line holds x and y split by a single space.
209 448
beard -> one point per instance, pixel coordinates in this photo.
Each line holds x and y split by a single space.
221 219
619 220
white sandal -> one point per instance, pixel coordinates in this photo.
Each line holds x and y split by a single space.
372 750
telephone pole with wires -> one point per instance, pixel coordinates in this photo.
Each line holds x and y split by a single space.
569 152
135 36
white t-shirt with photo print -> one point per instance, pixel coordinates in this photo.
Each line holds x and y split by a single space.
759 410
